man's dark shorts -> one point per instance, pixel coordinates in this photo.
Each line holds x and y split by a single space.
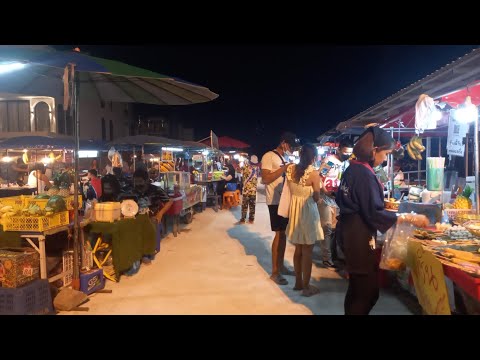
277 222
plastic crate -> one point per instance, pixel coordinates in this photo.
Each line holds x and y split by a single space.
67 260
42 203
92 281
36 223
453 213
12 201
32 299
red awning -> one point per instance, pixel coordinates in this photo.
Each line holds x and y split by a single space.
228 142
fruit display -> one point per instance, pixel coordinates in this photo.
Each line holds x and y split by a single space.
391 204
167 166
415 148
6 211
53 190
463 201
56 203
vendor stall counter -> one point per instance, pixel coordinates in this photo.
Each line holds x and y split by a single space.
131 239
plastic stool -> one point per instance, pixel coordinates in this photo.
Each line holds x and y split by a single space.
230 199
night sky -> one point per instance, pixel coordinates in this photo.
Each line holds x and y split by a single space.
265 89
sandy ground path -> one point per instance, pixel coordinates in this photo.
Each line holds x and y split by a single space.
216 267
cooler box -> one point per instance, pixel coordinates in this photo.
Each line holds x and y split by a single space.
92 281
18 266
177 206
107 211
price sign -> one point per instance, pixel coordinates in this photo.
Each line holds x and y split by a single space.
429 280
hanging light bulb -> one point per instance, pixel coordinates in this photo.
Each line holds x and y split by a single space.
467 113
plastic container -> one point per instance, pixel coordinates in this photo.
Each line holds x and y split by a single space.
18 266
107 211
36 223
92 281
31 299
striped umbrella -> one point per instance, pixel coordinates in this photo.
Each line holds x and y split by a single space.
42 71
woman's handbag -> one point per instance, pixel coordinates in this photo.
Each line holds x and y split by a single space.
284 205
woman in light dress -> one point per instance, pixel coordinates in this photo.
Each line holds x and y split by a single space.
304 226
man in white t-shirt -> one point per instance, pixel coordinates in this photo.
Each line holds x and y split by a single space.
274 166
327 206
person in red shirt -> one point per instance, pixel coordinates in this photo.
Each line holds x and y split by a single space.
95 189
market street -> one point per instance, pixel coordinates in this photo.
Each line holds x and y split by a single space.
216 267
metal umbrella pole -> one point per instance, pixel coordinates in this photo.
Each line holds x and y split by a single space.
477 167
76 227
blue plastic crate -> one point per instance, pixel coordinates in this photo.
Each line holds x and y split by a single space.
92 281
32 299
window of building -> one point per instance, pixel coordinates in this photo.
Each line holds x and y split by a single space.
42 117
15 115
104 130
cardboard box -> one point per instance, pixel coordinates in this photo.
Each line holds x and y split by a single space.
18 266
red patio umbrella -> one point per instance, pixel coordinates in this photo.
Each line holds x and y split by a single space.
228 142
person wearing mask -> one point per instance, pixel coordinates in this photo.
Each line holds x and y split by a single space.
327 206
362 213
249 199
37 179
304 227
273 167
110 188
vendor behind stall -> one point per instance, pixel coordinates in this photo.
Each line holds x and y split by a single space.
38 179
226 180
16 171
151 196
110 189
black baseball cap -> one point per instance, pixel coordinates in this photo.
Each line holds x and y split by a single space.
290 138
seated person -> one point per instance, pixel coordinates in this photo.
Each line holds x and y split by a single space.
227 179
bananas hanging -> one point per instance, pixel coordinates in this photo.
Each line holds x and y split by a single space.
415 148
25 157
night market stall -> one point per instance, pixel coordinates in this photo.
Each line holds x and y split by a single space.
76 75
432 119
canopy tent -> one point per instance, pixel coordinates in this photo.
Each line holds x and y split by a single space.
229 143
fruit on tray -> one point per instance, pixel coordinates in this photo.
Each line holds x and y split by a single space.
64 190
458 232
54 190
415 148
463 201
